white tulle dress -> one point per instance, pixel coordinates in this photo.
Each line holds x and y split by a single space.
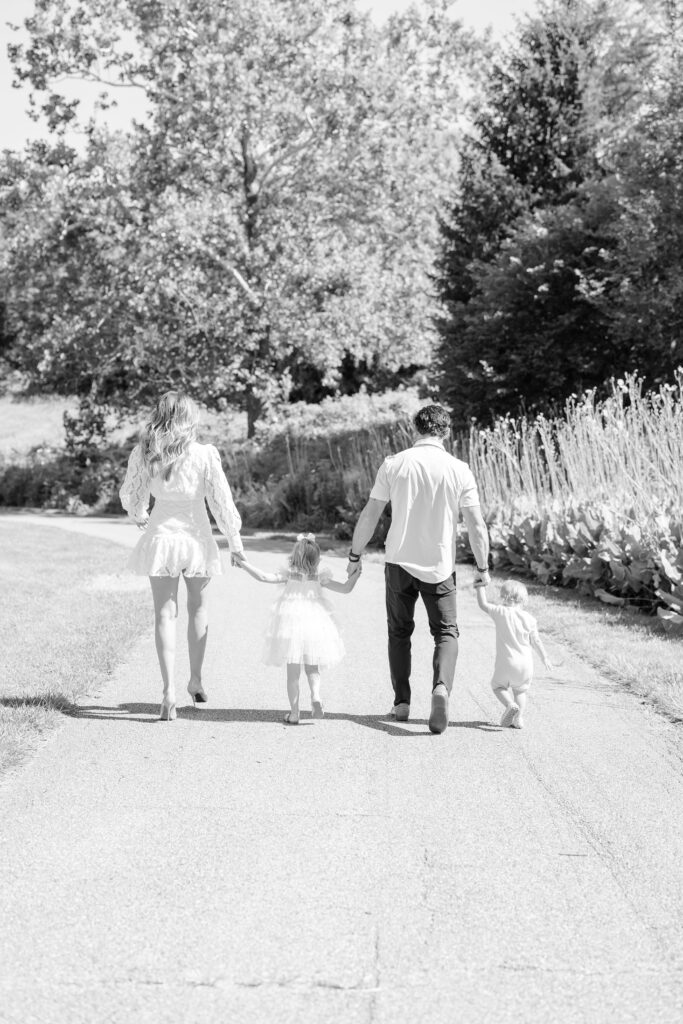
178 539
302 629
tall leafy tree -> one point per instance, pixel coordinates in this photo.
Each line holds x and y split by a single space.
274 211
524 272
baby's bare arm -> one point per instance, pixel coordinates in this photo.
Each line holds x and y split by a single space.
482 600
538 644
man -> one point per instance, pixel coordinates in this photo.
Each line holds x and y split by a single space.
427 489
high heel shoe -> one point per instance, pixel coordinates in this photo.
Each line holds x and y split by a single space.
167 713
196 691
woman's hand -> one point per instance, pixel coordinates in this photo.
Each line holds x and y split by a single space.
237 559
142 522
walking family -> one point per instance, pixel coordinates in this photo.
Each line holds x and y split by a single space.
428 489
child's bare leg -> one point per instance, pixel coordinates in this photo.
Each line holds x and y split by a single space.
521 699
293 673
313 676
504 695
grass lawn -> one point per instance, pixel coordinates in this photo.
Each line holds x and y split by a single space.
30 422
61 636
26 422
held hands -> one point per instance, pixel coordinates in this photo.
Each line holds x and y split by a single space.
481 579
353 569
354 576
237 559
142 522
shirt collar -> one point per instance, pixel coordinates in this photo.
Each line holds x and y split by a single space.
436 441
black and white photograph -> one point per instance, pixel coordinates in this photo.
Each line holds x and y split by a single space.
341 404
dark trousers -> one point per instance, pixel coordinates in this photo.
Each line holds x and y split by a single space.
402 590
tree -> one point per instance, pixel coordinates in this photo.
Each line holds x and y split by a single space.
265 213
525 270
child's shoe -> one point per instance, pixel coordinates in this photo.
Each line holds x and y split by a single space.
509 716
518 720
316 709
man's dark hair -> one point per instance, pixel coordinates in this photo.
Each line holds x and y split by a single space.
432 420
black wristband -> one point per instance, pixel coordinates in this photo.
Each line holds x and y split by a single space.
352 557
483 570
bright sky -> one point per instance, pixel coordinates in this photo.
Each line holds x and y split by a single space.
17 126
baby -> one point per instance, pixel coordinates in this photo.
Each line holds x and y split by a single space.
516 632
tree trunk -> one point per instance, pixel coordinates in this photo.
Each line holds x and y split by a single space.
254 412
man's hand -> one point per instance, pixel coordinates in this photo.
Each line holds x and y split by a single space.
482 579
353 568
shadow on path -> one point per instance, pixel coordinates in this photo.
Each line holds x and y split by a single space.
148 714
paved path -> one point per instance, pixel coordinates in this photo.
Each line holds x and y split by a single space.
228 868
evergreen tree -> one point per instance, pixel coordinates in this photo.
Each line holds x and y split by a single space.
524 273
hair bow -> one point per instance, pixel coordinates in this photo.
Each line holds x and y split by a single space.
305 536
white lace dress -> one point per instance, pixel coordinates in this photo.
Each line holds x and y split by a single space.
178 538
302 629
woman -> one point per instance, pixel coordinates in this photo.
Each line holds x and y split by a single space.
169 464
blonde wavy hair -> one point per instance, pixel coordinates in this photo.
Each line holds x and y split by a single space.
170 429
305 555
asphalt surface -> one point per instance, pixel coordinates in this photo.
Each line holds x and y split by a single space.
227 868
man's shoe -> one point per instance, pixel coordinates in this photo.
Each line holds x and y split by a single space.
401 712
438 719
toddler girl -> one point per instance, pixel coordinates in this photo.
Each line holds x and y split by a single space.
516 632
302 630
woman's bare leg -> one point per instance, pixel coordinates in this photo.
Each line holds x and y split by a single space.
197 627
165 595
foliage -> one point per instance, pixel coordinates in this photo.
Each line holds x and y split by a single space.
261 221
312 469
592 499
527 274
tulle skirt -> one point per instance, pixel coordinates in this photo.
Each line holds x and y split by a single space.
302 630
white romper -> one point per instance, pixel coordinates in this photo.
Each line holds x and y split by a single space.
178 537
515 629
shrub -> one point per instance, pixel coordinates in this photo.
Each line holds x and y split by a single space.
593 499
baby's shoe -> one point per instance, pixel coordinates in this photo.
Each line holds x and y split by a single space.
509 716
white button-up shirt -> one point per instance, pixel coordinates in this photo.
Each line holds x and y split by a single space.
427 487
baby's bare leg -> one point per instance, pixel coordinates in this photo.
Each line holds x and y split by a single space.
293 673
521 700
313 676
504 695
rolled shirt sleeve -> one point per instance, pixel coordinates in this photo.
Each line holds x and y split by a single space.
219 498
469 495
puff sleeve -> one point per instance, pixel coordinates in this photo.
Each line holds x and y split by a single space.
134 493
219 497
